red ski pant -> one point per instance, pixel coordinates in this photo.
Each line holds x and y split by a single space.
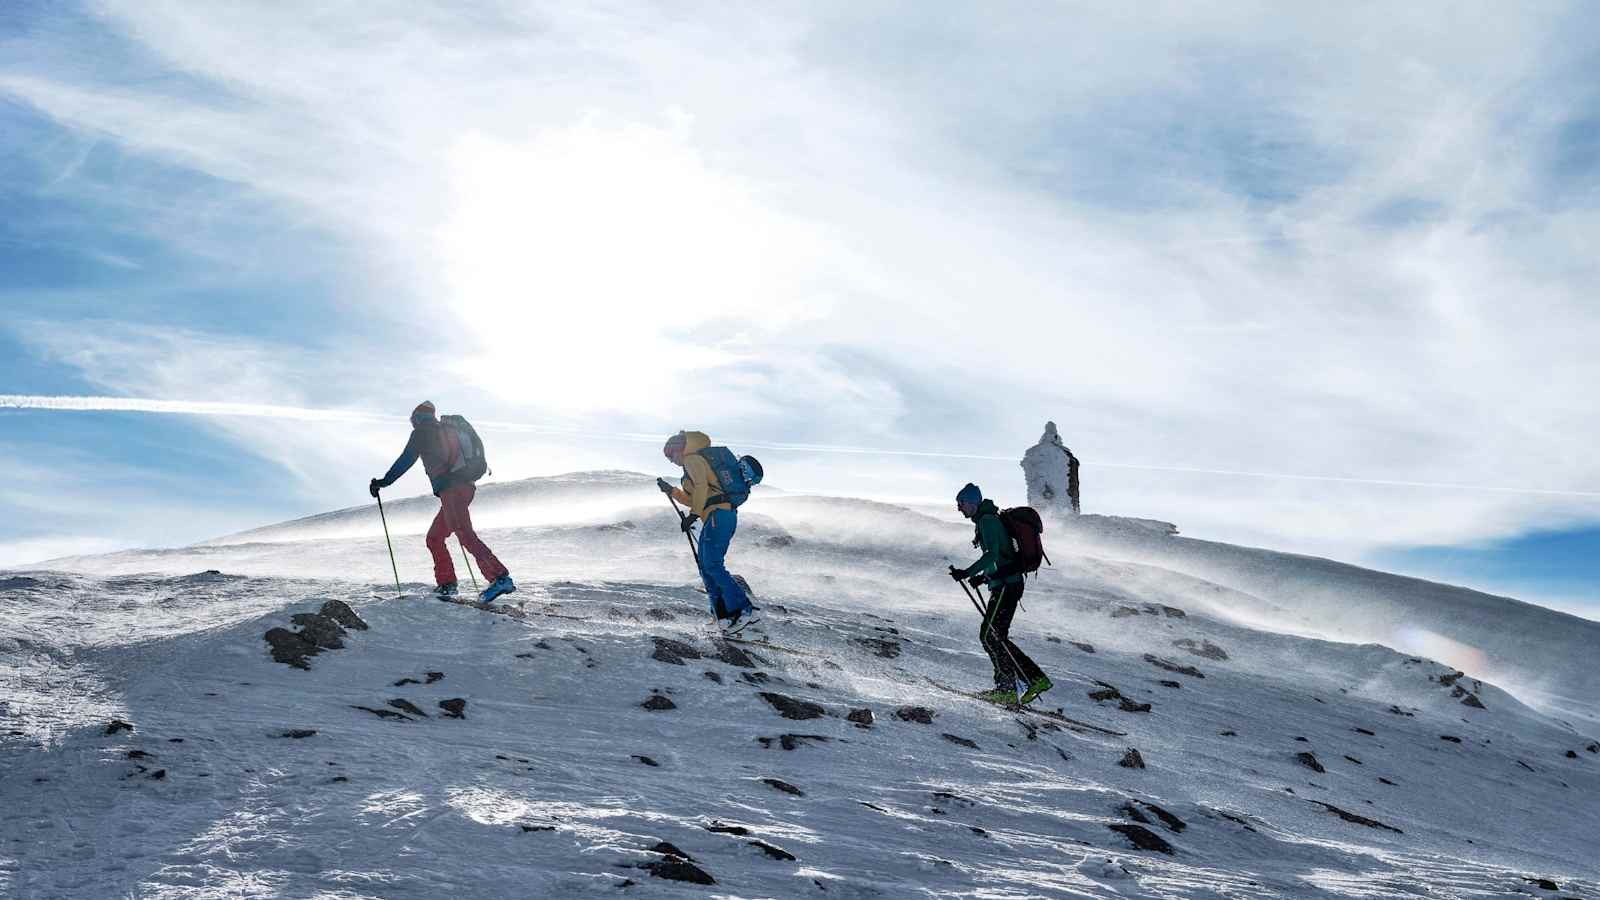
453 518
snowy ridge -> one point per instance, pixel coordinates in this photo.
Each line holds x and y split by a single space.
604 719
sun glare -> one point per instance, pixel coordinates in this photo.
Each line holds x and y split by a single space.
596 261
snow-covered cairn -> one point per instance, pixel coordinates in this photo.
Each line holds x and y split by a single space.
1052 474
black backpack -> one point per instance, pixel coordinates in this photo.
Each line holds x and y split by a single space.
471 464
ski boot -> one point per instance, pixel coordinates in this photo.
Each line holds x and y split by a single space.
739 621
501 585
446 591
1001 696
1035 688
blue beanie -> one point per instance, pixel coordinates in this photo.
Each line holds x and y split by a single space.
970 495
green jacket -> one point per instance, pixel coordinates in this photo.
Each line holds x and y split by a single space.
990 534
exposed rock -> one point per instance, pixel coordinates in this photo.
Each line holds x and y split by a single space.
1229 733
117 725
1593 747
882 647
778 542
1126 705
384 713
1450 737
735 656
1123 612
139 754
659 703
671 651
290 648
1448 680
919 714
648 761
159 774
1382 780
1106 692
675 869
754 677
1544 884
666 848
1131 760
774 852
1142 837
790 708
1352 817
1171 666
406 706
454 708
1365 732
718 828
298 733
1170 684
1172 612
1472 701
1525 766
1400 712
784 786
791 741
1050 638
340 612
1353 759
320 630
528 828
659 614
713 676
960 741
405 681
1081 645
1204 648
433 676
1172 822
1572 754
861 717
1310 761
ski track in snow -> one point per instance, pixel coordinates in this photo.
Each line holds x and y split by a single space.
539 790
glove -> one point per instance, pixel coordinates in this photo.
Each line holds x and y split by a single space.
376 485
956 574
666 486
978 580
688 523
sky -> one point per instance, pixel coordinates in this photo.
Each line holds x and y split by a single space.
1312 279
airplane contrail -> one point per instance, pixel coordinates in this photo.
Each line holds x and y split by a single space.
272 411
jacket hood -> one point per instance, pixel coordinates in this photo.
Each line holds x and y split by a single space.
987 508
695 441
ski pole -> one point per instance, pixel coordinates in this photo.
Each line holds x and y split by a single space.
1016 668
465 563
693 548
385 520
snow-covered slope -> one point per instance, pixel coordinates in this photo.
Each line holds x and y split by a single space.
560 781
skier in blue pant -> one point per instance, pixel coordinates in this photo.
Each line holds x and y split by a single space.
700 491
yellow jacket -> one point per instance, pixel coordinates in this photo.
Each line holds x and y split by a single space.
699 484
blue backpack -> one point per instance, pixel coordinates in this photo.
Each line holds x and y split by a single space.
736 474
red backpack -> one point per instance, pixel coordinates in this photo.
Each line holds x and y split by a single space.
1025 529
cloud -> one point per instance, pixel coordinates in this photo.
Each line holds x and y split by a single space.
1243 240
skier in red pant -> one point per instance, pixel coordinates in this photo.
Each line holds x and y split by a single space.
448 455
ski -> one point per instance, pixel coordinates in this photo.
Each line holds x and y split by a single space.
515 612
1019 708
763 644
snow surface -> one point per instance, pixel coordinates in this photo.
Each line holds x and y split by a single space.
540 790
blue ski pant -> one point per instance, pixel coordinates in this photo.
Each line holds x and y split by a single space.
727 598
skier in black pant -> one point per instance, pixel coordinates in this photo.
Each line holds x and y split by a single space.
1014 672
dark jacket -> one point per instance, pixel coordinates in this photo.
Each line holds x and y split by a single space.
438 451
989 533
